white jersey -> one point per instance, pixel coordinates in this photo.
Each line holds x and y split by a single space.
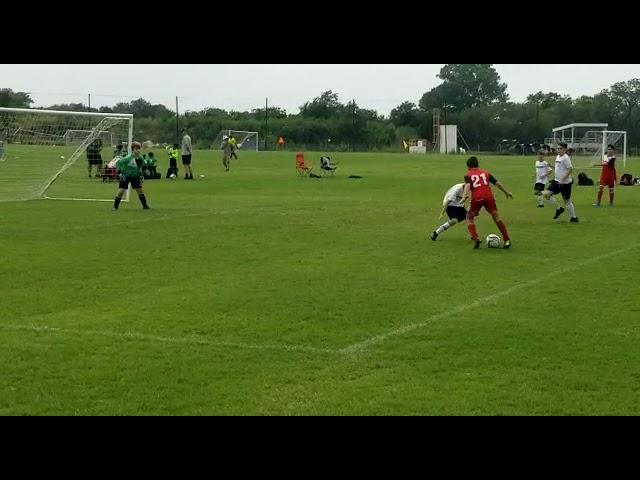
186 145
453 197
542 170
563 165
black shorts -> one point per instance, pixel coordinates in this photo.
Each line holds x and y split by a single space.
186 159
539 187
564 189
95 159
135 182
459 213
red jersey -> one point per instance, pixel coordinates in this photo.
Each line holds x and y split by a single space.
609 166
480 181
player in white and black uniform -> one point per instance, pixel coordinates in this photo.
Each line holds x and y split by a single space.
562 183
454 208
542 173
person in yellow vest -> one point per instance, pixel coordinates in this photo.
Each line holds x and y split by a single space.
233 143
174 153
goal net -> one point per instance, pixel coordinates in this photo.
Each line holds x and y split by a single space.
246 140
589 142
592 149
45 153
76 137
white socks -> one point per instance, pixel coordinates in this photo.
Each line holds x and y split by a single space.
446 226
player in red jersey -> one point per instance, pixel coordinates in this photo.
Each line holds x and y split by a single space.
478 182
608 177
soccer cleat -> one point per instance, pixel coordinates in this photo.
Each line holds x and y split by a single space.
146 208
540 206
559 212
610 205
596 205
507 245
433 236
477 244
574 220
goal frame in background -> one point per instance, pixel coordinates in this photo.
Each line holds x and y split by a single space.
104 121
607 135
236 133
584 139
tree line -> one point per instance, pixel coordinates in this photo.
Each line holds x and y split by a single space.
471 96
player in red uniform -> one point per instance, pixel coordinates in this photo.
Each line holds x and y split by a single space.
478 182
608 177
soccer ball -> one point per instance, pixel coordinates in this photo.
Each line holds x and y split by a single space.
172 176
494 241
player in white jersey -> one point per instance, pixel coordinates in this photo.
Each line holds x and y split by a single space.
543 170
562 183
454 208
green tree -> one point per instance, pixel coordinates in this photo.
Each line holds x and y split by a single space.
325 106
274 112
72 107
466 86
11 99
142 108
626 97
546 100
406 114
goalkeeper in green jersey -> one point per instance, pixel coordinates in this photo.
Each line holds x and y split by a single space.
149 166
130 169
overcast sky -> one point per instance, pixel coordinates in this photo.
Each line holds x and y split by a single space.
244 87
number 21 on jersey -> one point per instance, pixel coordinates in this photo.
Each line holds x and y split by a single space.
479 180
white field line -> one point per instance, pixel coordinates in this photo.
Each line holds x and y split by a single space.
378 339
192 340
348 350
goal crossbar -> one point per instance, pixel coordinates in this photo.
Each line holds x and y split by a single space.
41 127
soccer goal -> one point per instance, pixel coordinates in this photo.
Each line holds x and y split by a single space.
76 137
618 139
45 153
246 140
589 142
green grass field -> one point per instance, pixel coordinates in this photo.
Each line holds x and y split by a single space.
257 292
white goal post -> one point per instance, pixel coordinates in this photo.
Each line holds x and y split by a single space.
42 148
589 142
618 139
246 140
